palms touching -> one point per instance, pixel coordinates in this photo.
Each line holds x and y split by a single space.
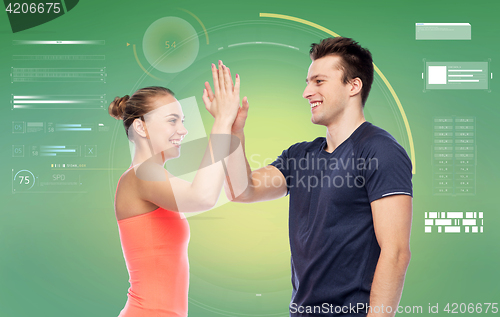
225 90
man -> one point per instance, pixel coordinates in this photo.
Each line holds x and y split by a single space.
350 194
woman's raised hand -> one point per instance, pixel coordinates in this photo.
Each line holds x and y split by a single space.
223 102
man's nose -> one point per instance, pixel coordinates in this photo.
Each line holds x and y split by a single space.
307 92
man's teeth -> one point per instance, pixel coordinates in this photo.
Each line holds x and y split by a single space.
175 142
315 104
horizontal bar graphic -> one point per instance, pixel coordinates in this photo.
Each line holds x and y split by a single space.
73 129
32 42
58 102
452 214
453 229
469 222
58 57
443 222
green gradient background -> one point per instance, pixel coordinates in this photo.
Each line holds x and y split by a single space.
61 254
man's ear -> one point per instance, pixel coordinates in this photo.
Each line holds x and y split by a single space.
356 86
138 126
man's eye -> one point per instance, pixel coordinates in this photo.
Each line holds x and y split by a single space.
318 80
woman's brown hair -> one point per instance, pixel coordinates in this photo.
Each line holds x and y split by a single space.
128 108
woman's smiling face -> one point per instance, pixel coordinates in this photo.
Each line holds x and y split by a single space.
165 126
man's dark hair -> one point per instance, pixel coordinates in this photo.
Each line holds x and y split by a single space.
355 60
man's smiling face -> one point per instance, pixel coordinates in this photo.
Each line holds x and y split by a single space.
328 96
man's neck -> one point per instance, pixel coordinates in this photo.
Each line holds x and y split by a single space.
338 131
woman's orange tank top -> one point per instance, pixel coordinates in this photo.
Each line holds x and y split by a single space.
155 248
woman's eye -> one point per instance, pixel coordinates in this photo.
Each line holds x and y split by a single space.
173 121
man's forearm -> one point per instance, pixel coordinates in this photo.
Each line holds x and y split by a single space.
387 285
238 177
241 136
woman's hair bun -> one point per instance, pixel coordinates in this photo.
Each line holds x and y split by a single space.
117 107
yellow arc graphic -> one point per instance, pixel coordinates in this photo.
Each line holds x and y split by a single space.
139 62
377 70
199 21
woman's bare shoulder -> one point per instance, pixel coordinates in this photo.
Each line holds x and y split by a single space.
128 197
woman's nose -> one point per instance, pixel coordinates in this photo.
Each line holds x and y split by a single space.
182 130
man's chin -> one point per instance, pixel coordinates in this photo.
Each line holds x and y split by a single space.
316 121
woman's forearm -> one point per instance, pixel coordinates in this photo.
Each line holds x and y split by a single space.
208 181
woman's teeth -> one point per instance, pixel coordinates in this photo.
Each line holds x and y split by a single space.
175 142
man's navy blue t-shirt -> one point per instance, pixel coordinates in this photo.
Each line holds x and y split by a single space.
334 250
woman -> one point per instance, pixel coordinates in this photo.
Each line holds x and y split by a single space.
149 201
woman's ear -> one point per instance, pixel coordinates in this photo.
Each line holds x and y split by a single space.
139 128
